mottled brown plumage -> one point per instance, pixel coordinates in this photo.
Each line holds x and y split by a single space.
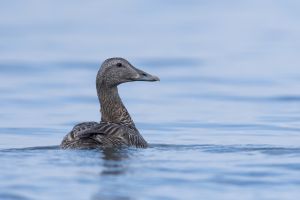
116 128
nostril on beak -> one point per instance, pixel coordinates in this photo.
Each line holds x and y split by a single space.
144 74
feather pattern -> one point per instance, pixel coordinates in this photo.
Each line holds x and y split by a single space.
103 135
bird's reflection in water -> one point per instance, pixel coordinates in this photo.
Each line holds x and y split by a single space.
115 161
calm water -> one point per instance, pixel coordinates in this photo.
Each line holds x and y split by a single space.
223 123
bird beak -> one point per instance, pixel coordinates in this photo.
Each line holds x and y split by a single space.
144 76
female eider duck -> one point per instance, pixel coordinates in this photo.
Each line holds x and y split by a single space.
116 128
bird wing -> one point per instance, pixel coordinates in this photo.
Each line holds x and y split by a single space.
103 135
107 134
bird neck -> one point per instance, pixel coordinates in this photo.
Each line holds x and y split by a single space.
112 107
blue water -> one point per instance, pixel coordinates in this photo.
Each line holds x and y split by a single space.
223 123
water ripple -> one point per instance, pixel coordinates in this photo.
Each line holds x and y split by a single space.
211 148
252 99
216 126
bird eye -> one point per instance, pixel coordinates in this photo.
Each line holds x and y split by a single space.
119 64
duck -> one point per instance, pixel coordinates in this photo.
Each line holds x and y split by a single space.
116 127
